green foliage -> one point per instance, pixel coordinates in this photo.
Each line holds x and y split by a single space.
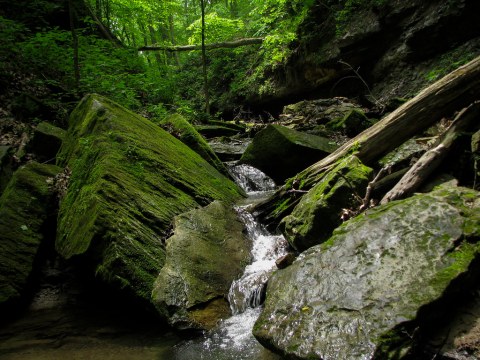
216 29
449 62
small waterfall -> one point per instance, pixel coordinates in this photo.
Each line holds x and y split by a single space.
233 340
248 290
250 179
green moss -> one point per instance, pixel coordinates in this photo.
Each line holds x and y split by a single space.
351 8
318 212
449 62
178 126
129 179
25 205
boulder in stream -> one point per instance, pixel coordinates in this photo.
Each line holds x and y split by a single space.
26 205
281 152
206 253
371 288
318 213
130 178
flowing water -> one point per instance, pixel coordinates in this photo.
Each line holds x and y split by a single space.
233 340
73 324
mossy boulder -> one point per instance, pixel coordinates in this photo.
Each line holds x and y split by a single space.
207 252
352 124
25 207
372 288
179 127
318 213
130 178
281 152
46 142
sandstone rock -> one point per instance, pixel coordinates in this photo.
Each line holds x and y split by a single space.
46 142
206 253
367 292
281 152
179 127
129 180
317 214
25 207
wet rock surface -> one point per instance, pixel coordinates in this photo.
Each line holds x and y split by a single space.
281 152
381 275
206 253
318 213
129 179
26 207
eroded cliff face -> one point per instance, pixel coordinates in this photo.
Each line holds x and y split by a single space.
375 52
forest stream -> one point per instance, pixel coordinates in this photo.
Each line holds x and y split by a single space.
64 321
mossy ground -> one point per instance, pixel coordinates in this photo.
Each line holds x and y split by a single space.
129 179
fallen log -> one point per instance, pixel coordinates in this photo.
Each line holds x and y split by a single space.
419 172
225 44
454 91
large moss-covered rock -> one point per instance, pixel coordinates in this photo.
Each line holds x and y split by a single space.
382 275
179 127
317 214
281 152
25 206
46 142
207 252
129 179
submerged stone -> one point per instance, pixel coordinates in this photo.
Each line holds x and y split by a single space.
281 152
130 178
367 292
25 206
318 213
207 252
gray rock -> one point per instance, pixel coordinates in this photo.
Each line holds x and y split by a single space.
130 178
46 142
281 152
318 213
25 206
207 252
362 294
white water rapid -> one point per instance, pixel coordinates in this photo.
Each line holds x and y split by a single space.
233 340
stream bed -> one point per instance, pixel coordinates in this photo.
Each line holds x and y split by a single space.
71 319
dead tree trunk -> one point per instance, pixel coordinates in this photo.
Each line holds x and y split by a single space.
455 91
225 44
417 174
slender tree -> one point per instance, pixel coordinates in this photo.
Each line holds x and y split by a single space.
76 65
204 61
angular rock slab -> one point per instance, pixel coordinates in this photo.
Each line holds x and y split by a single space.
281 152
130 178
358 295
314 218
207 252
25 206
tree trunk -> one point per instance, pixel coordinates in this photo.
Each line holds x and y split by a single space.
419 172
225 44
76 65
204 62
